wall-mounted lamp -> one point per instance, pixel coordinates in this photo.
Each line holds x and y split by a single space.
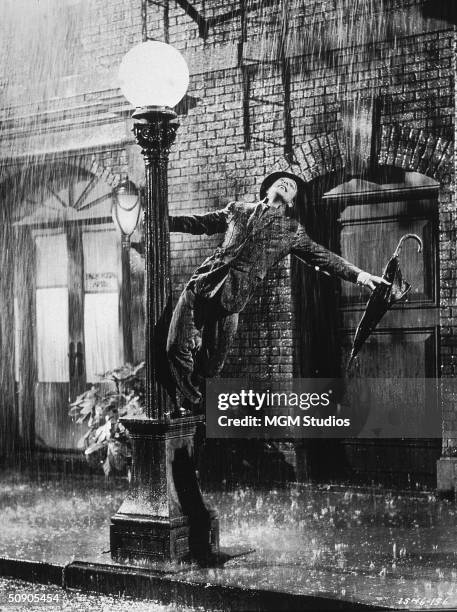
126 209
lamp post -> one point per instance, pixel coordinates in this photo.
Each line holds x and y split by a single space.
163 516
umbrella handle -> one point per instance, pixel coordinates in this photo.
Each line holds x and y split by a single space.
405 237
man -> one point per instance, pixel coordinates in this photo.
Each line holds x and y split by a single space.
256 237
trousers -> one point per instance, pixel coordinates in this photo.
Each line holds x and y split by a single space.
200 335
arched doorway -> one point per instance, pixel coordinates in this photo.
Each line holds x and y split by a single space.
70 323
402 160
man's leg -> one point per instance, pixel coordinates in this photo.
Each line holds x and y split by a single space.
184 340
217 337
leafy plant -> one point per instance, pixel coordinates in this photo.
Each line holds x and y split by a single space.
120 393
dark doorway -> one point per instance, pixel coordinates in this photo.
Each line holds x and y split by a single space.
365 221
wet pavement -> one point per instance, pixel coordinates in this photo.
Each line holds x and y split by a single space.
370 546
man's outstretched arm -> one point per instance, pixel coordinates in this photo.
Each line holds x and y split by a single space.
321 258
208 223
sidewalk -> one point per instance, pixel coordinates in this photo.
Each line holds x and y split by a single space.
325 547
17 595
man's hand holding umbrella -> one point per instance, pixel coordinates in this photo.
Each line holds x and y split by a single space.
371 281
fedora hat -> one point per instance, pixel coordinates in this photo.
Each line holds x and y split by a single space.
274 176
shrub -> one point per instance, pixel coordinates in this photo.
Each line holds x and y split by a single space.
120 393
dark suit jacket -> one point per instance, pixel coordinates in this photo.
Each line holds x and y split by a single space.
256 237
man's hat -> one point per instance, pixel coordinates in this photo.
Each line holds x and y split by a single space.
274 176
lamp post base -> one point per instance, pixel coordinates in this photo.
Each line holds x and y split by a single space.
164 516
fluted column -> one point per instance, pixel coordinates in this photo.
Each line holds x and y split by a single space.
155 132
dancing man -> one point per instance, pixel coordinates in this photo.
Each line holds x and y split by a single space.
256 237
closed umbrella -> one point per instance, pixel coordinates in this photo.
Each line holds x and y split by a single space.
383 297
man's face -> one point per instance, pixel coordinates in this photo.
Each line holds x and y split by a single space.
283 190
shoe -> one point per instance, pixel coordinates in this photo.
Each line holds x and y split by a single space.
181 412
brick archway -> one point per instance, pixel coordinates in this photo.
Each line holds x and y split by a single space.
411 150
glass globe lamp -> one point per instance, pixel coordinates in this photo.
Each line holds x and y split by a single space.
153 74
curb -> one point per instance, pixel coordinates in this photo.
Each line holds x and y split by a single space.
143 584
32 571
